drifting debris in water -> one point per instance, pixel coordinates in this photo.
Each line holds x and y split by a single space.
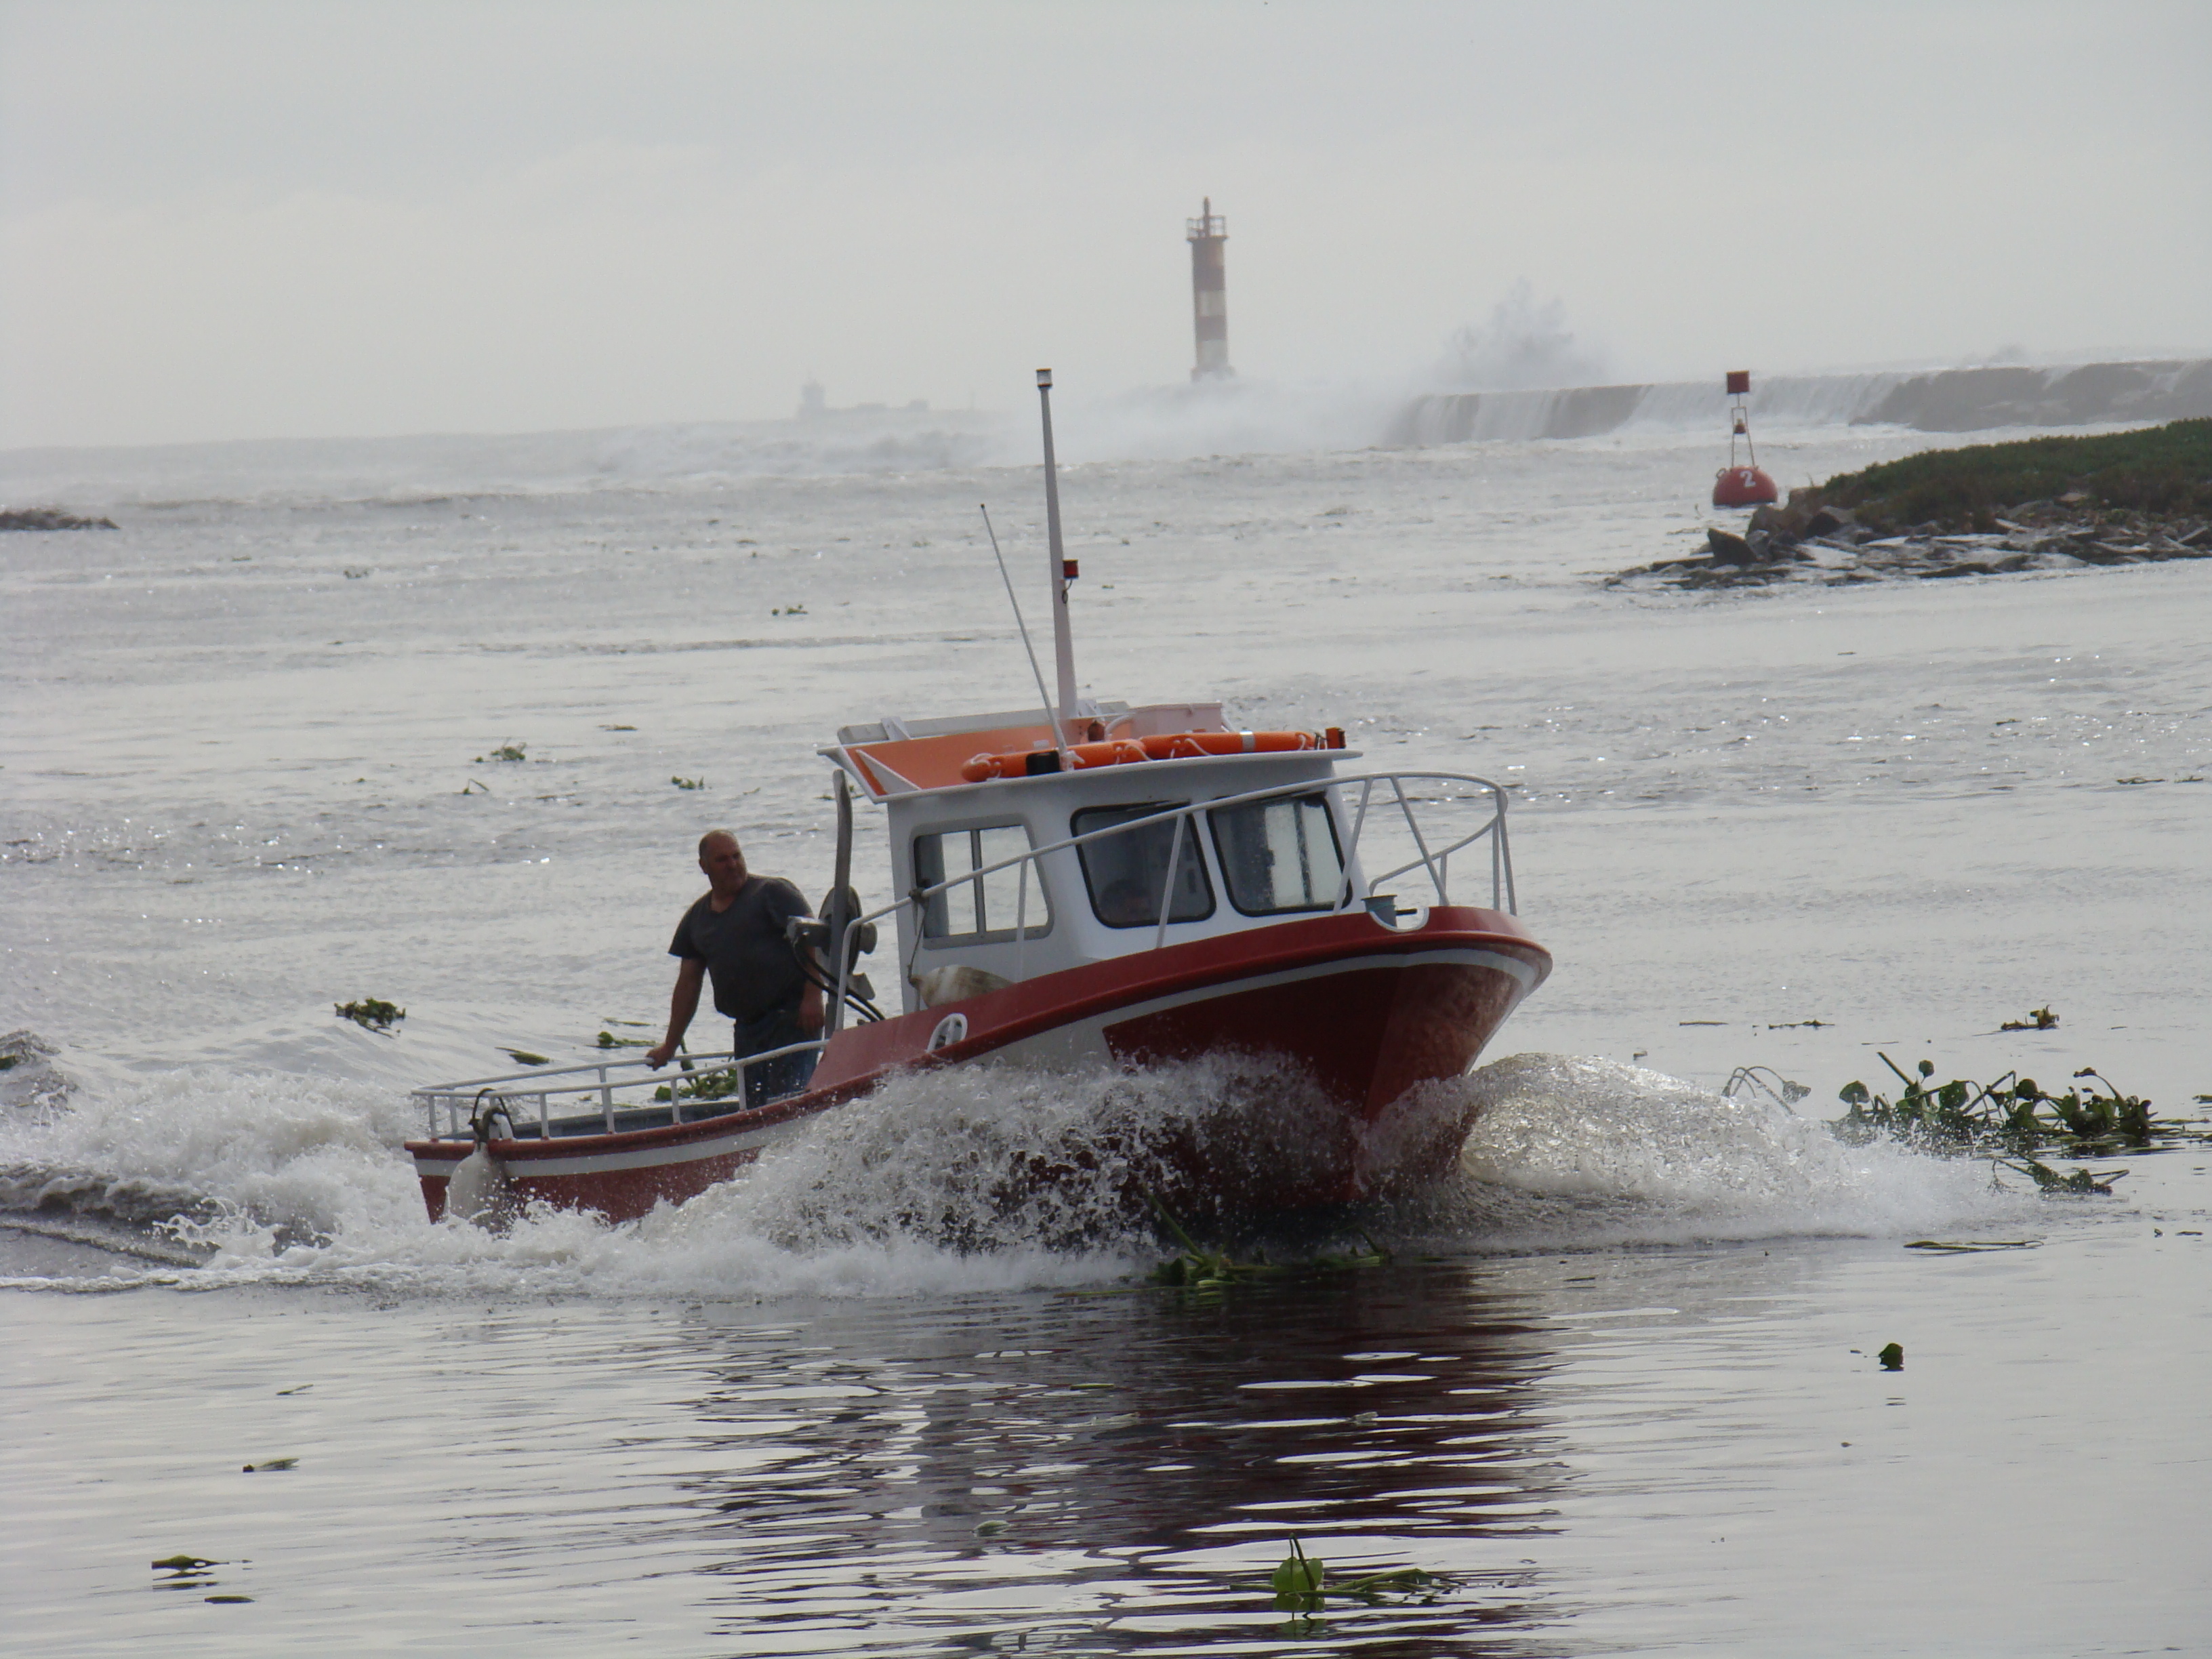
608 1040
371 1013
1892 1358
507 751
1766 1080
524 1057
1967 1246
231 1599
689 783
274 1464
2038 1019
183 1564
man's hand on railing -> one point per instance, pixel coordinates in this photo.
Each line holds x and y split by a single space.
659 1054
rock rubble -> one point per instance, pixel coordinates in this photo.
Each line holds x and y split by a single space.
49 517
1808 540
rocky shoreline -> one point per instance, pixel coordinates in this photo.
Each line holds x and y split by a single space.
2124 498
49 517
1810 541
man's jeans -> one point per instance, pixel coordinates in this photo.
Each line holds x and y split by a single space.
777 1028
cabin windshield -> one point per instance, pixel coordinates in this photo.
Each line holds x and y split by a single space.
1279 855
985 907
1125 873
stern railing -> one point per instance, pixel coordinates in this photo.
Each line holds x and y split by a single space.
463 1101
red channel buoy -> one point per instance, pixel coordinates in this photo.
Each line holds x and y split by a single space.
1741 484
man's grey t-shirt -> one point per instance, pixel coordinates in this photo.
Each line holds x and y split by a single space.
753 969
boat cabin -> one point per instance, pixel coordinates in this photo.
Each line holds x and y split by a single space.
964 795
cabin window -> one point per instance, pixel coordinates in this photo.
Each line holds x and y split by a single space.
1125 873
1279 855
982 908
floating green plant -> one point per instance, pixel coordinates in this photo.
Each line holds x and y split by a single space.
689 783
1301 1583
1198 1268
524 1057
719 1085
2038 1019
183 1564
1298 1582
508 752
274 1466
608 1040
2013 1112
1892 1357
371 1013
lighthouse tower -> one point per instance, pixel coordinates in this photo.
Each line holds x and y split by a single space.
1209 293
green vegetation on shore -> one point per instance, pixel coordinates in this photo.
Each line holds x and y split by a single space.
2164 470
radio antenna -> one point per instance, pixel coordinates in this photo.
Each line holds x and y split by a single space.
1036 673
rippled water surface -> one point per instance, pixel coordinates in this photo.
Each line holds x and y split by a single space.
1612 1387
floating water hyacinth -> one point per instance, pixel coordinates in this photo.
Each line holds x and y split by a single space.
371 1013
2013 1112
1298 1582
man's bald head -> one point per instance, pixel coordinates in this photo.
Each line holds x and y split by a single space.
723 863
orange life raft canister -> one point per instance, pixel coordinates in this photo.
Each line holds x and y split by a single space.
1121 751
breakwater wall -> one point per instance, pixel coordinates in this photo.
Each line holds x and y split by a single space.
1941 400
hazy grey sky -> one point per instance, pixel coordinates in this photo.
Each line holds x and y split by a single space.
313 217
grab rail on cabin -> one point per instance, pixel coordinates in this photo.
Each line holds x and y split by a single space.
461 1100
1434 862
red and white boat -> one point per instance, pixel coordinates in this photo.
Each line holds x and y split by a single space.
1093 886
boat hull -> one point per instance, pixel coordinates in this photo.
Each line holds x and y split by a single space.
1356 1023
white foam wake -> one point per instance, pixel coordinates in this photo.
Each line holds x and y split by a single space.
971 1178
1593 1152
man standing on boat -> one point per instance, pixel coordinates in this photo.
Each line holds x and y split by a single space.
734 934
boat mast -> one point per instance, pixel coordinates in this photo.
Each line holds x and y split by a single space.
1063 643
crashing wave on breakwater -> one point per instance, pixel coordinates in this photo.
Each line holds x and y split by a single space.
1936 400
971 1178
1239 417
